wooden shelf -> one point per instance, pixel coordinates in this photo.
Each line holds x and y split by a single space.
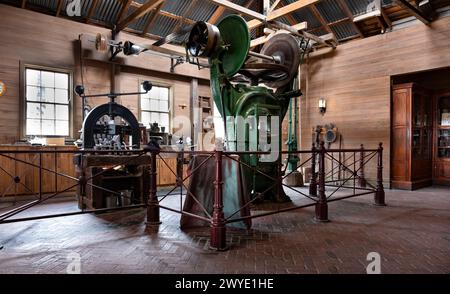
443 127
441 171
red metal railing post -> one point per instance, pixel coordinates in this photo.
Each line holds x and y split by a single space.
40 176
322 205
313 181
218 228
82 181
379 194
361 179
153 204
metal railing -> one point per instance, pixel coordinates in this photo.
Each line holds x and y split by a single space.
323 162
317 189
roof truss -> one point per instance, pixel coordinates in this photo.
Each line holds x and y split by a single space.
265 13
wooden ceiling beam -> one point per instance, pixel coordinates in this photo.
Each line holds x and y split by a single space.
91 10
386 18
58 8
125 6
322 20
281 26
138 13
268 34
274 5
178 27
216 15
164 13
290 8
343 5
174 16
413 10
151 20
239 9
319 17
283 11
289 17
266 7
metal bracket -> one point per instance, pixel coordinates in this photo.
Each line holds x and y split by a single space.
195 60
115 51
174 62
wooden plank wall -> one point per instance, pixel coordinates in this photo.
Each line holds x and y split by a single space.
355 79
29 175
62 163
39 39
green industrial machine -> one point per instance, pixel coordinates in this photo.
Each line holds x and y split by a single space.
255 88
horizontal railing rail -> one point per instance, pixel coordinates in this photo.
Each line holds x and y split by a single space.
329 175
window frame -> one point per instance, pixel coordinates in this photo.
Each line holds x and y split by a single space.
23 100
170 110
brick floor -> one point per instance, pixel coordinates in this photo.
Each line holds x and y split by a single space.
412 235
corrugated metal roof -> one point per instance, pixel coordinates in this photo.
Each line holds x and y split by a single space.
305 14
139 24
343 30
107 11
163 26
359 7
284 20
320 32
48 4
205 12
224 14
330 11
177 7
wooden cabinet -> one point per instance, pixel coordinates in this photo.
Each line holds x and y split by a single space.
165 175
441 142
412 134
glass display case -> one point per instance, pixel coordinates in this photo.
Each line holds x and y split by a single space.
441 173
444 143
421 126
443 127
412 136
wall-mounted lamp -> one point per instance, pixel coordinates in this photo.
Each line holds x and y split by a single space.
322 105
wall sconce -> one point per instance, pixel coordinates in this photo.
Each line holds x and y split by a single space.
322 105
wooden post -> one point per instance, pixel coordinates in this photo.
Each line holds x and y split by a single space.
361 180
322 205
379 194
153 204
218 228
313 181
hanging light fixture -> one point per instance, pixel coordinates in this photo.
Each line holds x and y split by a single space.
322 105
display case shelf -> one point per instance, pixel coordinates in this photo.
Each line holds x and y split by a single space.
441 159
